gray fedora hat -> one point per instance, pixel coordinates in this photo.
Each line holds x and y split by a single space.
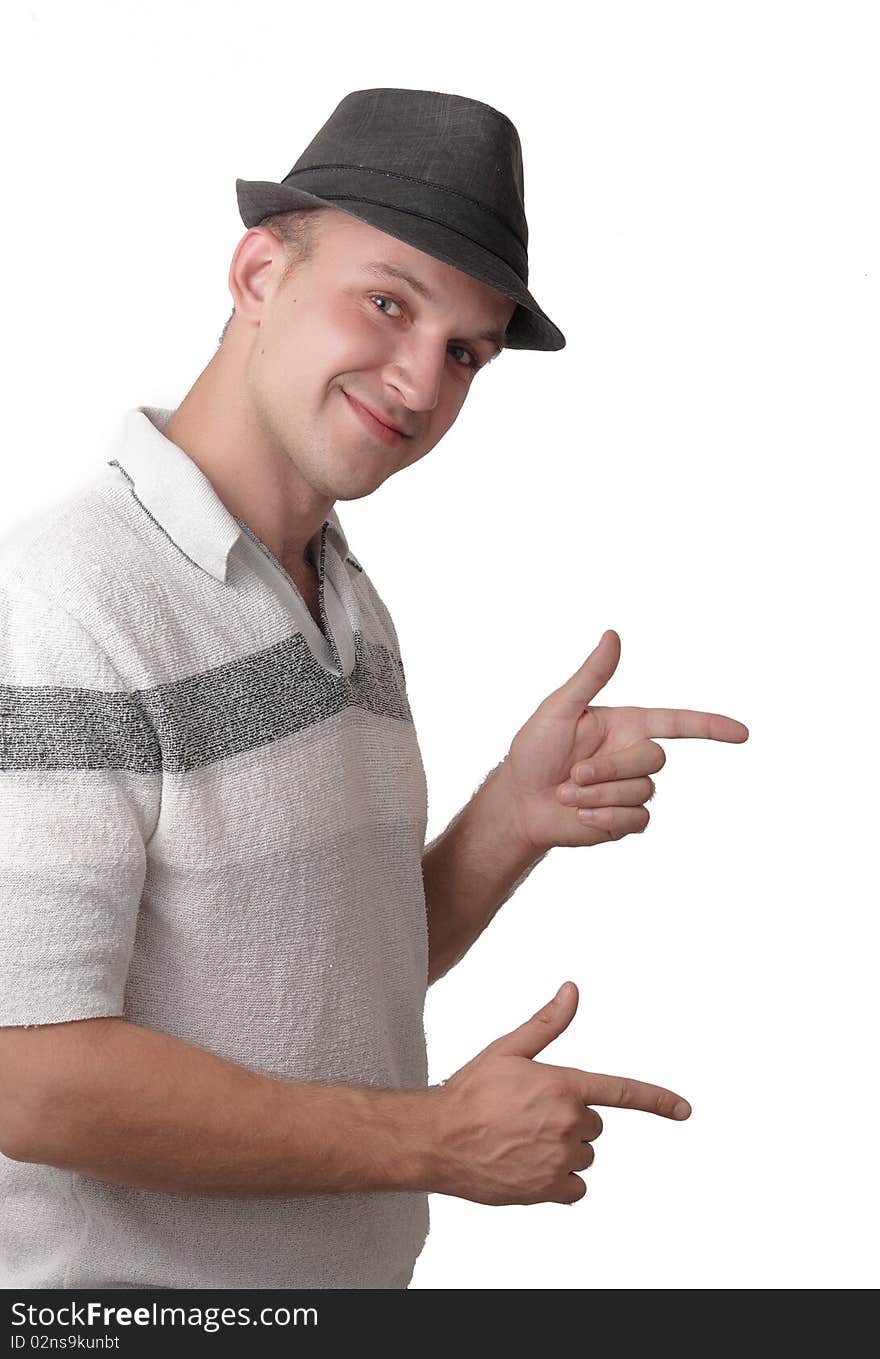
439 171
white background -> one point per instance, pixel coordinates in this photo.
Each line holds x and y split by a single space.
693 470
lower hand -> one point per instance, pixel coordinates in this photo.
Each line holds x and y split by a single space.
510 1130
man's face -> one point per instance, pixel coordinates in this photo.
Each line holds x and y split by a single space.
338 332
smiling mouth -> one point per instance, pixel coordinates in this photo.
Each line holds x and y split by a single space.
387 433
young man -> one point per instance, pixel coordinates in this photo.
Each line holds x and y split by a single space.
219 919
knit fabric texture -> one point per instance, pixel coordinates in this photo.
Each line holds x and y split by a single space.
212 817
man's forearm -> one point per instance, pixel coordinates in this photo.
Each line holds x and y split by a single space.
135 1106
470 871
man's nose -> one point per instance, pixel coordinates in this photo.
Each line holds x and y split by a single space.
418 376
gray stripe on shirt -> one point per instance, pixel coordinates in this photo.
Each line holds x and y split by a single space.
192 722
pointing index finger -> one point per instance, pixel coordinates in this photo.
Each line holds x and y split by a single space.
672 722
623 1093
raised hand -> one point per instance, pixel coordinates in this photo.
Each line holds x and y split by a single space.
572 755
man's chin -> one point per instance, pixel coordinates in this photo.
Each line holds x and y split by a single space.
353 480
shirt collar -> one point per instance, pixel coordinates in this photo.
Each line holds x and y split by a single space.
178 495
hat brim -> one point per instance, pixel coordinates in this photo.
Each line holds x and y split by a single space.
529 327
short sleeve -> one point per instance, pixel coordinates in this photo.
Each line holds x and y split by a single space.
80 791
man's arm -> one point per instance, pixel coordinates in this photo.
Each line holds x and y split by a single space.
135 1106
469 872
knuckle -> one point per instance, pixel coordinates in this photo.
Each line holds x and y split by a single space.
567 1124
556 1090
580 1188
561 1164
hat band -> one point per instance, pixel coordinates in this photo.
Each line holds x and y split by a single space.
453 209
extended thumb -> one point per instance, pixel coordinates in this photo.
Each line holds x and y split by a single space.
549 1022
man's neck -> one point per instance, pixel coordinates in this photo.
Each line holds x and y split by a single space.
254 480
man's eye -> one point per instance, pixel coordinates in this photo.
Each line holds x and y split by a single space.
378 297
474 363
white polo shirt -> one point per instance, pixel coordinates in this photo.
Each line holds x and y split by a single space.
212 817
